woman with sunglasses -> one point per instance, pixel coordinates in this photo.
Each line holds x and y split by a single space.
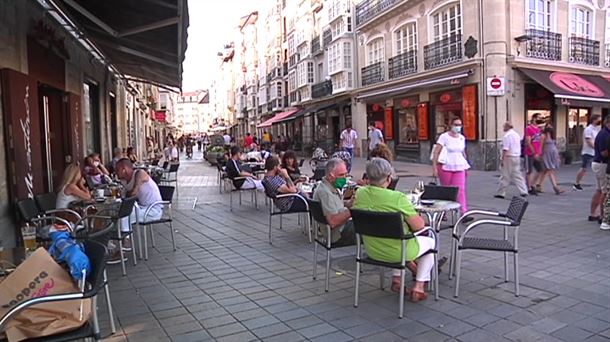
450 166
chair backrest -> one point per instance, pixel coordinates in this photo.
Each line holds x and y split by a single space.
438 192
165 163
46 201
126 207
174 167
301 162
516 209
393 183
315 208
98 256
28 209
167 192
378 224
318 174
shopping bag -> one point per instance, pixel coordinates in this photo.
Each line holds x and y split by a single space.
39 275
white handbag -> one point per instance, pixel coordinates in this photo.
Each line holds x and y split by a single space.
442 156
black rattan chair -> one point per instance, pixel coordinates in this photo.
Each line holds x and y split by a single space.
464 240
124 211
318 216
273 212
171 176
388 226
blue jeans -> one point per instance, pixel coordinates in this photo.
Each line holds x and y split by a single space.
351 153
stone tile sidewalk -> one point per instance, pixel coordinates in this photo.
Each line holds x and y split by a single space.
226 283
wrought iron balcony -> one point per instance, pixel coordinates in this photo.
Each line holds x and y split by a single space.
322 89
373 73
607 54
316 48
443 52
403 64
269 107
327 37
369 9
584 51
543 45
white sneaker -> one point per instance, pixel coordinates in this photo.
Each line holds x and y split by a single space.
604 226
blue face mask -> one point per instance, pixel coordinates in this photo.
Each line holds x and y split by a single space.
457 129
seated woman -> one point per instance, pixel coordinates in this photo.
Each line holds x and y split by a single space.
380 151
72 187
276 182
376 197
94 169
131 154
291 165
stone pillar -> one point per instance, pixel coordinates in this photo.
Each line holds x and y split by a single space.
359 124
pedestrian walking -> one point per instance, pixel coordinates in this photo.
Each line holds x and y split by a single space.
550 158
450 166
375 137
533 151
586 155
511 162
348 138
600 167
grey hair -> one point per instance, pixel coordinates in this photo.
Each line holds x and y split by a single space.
332 165
378 170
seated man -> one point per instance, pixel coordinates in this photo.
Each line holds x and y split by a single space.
335 209
376 197
278 182
234 170
138 183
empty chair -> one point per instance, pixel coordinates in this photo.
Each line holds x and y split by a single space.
171 176
167 193
467 240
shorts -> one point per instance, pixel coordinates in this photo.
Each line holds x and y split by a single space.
599 169
586 161
532 163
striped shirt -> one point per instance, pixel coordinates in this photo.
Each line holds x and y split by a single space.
272 185
348 138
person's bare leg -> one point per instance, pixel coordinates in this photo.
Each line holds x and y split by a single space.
580 175
595 203
553 178
540 180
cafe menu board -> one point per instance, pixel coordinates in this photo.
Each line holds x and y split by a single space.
423 110
469 111
389 124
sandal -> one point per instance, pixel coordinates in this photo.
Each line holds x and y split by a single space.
417 296
396 288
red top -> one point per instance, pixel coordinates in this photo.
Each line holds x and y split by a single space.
248 141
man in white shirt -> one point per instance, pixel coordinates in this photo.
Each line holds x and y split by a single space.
511 162
227 139
348 140
375 136
588 150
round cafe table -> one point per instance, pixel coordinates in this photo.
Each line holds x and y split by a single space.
436 211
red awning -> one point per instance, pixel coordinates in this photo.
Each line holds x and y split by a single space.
278 117
572 87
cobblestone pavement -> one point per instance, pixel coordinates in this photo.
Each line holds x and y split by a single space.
227 283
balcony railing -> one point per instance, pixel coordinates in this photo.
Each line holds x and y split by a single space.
403 64
443 52
269 107
369 9
322 89
584 51
292 61
543 45
285 69
316 48
327 37
607 61
373 73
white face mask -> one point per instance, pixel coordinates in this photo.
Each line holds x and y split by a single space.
96 163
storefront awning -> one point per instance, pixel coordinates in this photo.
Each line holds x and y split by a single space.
415 84
572 87
144 40
278 117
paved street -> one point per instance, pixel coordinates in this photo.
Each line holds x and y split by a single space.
226 283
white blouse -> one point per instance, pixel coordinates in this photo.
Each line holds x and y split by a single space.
455 152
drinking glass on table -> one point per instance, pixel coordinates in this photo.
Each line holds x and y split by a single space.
418 191
29 237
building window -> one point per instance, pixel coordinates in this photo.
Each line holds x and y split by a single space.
350 80
334 58
577 121
540 14
292 82
309 72
581 22
92 117
337 28
447 22
279 89
375 51
347 55
406 38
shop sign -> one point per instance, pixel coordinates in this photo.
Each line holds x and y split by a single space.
389 124
160 116
405 103
422 119
446 97
575 84
496 86
469 111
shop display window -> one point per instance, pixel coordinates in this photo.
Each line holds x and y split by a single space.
577 121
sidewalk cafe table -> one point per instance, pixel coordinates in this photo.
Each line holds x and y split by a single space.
436 212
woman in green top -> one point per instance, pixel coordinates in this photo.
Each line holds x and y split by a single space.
376 197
